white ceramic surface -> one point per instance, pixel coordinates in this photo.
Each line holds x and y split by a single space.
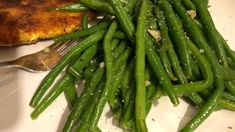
17 88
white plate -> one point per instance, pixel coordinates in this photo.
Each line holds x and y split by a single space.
17 88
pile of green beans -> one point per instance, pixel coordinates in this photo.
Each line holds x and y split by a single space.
140 51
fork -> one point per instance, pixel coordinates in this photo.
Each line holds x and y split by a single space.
43 60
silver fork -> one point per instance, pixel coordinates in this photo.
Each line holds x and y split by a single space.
42 60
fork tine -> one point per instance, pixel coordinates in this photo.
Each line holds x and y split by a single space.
67 47
60 46
55 45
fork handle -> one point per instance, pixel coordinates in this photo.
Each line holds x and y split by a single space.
7 64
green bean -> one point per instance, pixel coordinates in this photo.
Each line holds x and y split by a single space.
189 5
166 63
228 96
196 70
115 86
74 7
172 55
177 35
227 49
227 100
148 106
159 71
211 31
169 47
207 83
78 108
129 5
150 93
230 86
207 2
119 35
140 98
114 44
83 33
86 57
227 104
52 95
98 5
158 94
121 59
71 94
201 42
76 50
228 74
91 69
219 39
119 49
84 122
109 76
152 23
127 87
84 21
170 50
129 98
123 18
127 115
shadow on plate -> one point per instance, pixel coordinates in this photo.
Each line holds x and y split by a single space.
189 114
9 93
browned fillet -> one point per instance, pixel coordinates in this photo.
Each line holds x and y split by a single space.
26 21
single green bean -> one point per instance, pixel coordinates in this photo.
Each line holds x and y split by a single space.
227 104
109 76
166 63
98 5
119 49
115 86
140 98
121 59
119 35
83 33
74 7
189 5
114 44
127 87
71 94
85 21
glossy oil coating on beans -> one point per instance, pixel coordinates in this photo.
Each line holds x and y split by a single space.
140 99
201 42
150 49
178 36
